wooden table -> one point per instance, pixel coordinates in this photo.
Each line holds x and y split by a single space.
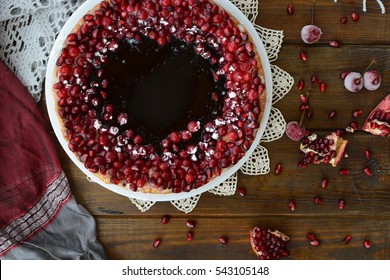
126 233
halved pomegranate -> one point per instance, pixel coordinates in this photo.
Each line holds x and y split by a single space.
378 122
316 149
269 244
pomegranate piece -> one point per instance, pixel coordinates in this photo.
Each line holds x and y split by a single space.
353 82
347 239
344 74
355 16
157 243
241 192
165 219
328 149
292 205
367 171
301 85
322 87
223 240
290 9
190 235
357 113
310 34
278 168
295 131
324 183
190 223
269 244
334 43
332 114
367 243
372 80
311 236
341 204
368 154
318 200
378 122
303 56
315 243
343 20
343 171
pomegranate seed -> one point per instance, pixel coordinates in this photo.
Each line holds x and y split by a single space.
318 200
357 113
340 132
165 219
241 192
278 169
156 243
314 79
303 99
322 87
290 9
332 114
190 223
292 205
354 125
355 17
311 236
223 240
190 235
334 43
315 243
341 204
303 56
343 20
368 154
367 171
367 243
301 85
344 74
324 183
347 239
343 171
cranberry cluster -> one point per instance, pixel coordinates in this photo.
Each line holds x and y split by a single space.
123 157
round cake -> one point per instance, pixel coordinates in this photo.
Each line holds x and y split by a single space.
159 96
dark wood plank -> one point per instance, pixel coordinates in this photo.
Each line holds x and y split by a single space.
132 238
372 27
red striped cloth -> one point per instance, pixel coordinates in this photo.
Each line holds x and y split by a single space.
33 186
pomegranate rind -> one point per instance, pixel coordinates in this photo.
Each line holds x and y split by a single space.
380 127
339 146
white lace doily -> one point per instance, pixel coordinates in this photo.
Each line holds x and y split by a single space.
28 29
259 162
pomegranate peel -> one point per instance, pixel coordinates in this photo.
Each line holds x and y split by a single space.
378 122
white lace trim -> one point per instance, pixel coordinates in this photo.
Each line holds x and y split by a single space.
27 33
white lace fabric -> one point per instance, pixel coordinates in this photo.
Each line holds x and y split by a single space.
28 29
